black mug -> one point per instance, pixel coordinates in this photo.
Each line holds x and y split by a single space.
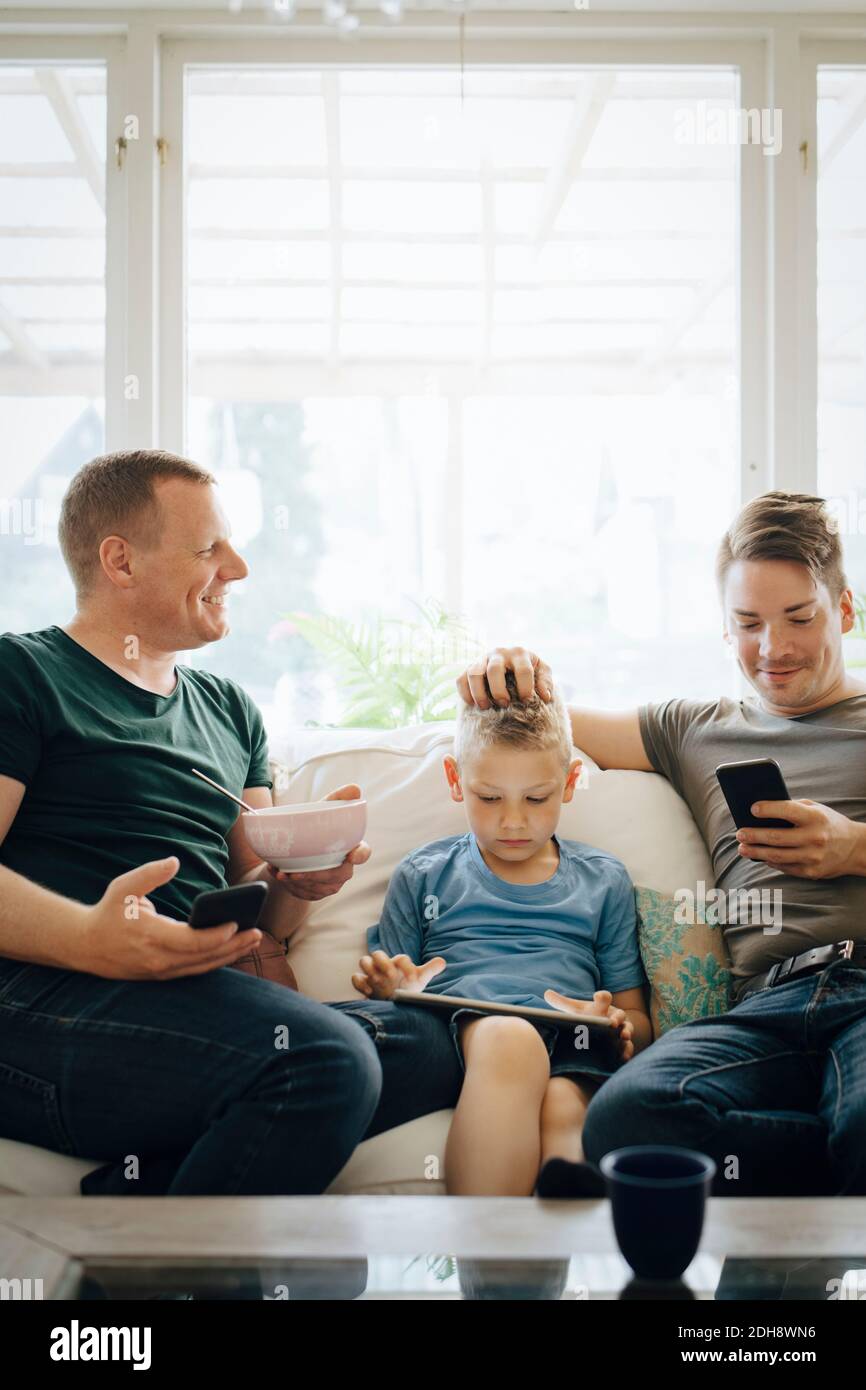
657 1195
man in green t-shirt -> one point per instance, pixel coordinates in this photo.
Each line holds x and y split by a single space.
772 1089
120 1037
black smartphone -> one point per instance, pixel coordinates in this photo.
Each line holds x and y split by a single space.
242 905
759 779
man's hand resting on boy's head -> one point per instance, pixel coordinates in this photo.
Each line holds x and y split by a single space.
530 673
382 974
601 1006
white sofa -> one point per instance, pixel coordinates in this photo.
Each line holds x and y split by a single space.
635 815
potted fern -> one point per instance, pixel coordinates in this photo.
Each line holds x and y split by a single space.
392 672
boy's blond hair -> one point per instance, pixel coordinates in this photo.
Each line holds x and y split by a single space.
532 724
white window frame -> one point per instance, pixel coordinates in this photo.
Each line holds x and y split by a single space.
109 50
564 50
815 54
777 56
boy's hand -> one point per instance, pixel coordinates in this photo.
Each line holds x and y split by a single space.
601 1006
381 974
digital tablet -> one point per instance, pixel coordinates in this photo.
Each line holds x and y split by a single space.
557 1017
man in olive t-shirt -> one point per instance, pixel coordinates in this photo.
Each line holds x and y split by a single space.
823 756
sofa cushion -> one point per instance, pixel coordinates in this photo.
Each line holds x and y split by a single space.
409 1160
686 963
28 1171
635 815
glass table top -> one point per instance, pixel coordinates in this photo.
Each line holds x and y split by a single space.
428 1276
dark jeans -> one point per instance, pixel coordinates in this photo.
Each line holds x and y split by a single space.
211 1084
774 1090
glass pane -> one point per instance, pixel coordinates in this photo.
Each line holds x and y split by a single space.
842 318
52 319
526 1274
478 348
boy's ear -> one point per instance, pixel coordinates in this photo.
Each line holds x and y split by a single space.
570 778
452 772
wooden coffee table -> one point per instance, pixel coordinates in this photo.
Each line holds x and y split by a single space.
396 1247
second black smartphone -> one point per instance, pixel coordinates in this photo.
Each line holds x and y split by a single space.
242 905
758 779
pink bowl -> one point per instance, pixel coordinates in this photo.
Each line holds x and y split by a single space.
314 835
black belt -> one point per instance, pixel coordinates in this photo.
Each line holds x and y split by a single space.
806 963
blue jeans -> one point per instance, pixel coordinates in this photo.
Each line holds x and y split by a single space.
212 1084
774 1090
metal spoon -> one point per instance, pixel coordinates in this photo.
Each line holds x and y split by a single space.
225 791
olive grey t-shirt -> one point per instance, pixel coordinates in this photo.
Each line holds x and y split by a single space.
822 756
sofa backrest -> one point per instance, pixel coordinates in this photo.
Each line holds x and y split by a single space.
635 815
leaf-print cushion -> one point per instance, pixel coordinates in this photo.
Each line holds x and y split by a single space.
687 963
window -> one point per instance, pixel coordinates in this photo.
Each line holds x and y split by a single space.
52 318
842 306
514 324
477 345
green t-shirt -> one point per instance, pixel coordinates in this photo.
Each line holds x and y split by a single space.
107 770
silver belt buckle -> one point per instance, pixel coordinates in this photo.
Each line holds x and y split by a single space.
846 949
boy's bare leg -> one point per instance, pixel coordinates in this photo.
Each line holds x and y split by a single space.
494 1146
563 1110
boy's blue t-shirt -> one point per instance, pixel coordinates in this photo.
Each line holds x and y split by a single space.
509 942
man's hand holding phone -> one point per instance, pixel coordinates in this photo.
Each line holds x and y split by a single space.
803 837
125 938
821 843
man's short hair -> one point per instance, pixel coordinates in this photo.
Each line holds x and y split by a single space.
114 495
785 526
532 724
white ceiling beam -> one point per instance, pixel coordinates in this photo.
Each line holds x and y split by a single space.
850 324
667 87
67 170
852 115
389 283
385 174
275 282
16 83
263 378
331 101
395 321
54 281
50 233
22 344
374 238
564 169
488 260
674 332
379 238
56 87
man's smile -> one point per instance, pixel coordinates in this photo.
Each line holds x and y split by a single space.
781 675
